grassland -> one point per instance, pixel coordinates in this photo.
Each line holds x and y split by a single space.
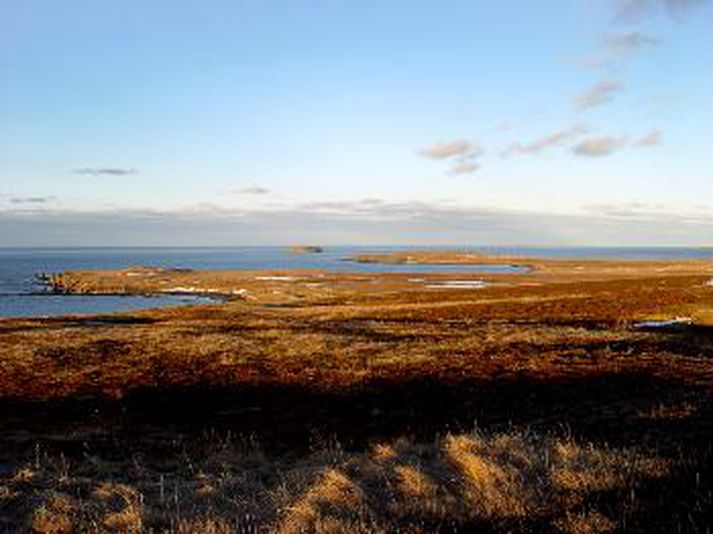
320 402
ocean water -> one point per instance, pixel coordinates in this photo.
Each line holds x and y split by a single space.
21 295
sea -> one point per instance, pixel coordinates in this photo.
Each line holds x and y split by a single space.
23 295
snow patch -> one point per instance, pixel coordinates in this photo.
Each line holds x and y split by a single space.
203 291
187 289
666 323
457 284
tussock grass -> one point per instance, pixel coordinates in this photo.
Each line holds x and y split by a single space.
503 480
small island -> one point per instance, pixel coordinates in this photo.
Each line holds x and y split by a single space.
306 249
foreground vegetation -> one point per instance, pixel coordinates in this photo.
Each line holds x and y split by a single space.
311 402
503 481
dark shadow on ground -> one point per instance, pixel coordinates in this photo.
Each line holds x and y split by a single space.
623 409
620 409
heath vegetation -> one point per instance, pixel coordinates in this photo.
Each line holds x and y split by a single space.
342 403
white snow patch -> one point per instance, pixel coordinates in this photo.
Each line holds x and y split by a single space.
187 289
276 278
200 290
666 323
457 284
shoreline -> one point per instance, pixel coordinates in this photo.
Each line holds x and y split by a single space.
143 280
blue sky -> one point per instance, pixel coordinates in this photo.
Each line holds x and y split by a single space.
273 122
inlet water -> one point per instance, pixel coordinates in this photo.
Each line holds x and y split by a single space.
19 286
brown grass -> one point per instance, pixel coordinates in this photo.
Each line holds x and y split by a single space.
550 330
460 480
587 424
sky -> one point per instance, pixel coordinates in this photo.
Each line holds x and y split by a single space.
459 122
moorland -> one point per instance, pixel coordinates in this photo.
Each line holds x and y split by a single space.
575 396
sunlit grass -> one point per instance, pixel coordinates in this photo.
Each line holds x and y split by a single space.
461 479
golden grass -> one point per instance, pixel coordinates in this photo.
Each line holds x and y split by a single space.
585 523
121 507
333 503
380 343
55 515
589 469
703 315
394 337
460 480
490 488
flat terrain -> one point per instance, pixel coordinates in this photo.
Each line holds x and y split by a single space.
322 402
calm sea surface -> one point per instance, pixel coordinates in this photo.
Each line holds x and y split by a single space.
20 293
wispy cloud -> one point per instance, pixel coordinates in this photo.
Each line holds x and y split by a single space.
549 141
32 200
504 126
410 222
599 94
633 10
629 42
599 146
460 152
105 171
606 145
253 190
449 149
627 210
463 167
618 46
665 101
653 138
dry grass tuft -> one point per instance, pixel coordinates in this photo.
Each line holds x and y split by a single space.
122 507
490 488
334 501
589 469
585 523
204 526
414 484
25 475
504 481
55 515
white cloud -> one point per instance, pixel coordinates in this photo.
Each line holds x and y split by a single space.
606 145
549 141
105 171
463 167
598 94
461 153
599 146
358 222
449 149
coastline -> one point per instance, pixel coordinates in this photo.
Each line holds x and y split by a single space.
246 284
